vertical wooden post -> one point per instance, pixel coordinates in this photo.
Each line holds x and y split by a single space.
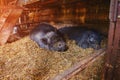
115 50
108 74
113 42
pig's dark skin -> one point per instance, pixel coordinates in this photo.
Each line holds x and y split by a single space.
84 37
90 38
48 37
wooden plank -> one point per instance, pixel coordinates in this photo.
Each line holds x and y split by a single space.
67 74
3 2
12 7
112 53
113 10
115 50
4 16
111 35
13 2
117 34
40 3
8 26
113 40
118 10
107 74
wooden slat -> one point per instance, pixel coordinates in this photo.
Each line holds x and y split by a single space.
117 34
113 41
67 74
113 10
12 7
112 52
8 26
3 2
13 2
4 16
39 3
115 50
111 34
109 50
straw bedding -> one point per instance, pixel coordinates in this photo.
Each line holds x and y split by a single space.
24 60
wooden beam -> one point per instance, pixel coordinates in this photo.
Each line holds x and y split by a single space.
12 7
113 59
112 54
3 2
113 41
53 3
8 25
111 35
109 51
113 10
67 74
39 3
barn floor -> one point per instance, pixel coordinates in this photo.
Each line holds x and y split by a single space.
24 60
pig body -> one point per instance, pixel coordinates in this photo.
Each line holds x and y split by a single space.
48 37
85 38
89 39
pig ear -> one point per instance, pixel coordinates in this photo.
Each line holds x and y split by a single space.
44 40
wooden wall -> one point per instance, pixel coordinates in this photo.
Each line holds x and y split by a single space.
71 11
84 12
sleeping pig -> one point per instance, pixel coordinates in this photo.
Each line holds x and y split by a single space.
48 37
89 39
85 38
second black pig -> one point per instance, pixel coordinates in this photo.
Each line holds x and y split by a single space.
83 37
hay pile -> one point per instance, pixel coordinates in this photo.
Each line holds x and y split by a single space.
24 60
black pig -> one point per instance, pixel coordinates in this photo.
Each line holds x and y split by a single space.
89 39
83 37
48 37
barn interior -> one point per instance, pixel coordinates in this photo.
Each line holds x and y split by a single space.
66 13
21 58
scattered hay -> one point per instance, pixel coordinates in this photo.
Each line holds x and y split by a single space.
24 60
92 72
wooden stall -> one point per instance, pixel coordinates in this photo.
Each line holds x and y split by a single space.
66 13
92 14
113 53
